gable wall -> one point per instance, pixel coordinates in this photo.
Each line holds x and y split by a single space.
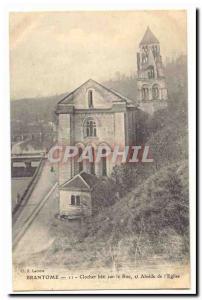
69 210
102 98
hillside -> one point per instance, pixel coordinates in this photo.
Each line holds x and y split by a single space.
34 109
148 226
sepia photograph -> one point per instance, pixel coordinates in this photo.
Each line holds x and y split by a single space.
99 150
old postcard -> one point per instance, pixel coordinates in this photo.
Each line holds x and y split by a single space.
99 133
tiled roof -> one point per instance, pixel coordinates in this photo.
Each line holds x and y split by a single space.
149 38
91 180
82 181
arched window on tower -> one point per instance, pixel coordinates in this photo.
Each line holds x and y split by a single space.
145 48
155 50
144 58
150 72
90 99
155 91
145 92
89 128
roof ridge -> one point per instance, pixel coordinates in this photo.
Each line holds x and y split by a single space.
69 180
89 182
106 88
73 91
85 182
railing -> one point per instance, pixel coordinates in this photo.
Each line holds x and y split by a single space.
23 200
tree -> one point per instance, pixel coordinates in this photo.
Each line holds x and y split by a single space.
177 209
124 176
104 194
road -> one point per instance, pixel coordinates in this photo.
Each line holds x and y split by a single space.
29 230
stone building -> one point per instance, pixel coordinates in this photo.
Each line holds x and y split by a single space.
152 90
96 115
76 196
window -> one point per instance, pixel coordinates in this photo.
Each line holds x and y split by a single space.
145 48
81 162
144 59
145 92
92 163
151 72
75 200
78 203
90 99
155 91
89 128
72 200
104 164
155 50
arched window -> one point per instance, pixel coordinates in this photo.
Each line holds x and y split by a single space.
104 163
92 163
90 99
145 92
155 50
145 48
144 58
155 91
72 200
150 72
90 128
81 162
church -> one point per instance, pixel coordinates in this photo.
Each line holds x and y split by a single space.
98 116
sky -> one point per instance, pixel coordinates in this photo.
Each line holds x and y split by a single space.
54 53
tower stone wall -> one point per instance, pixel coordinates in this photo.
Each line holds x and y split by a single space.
151 83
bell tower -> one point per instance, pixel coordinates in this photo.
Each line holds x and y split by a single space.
152 90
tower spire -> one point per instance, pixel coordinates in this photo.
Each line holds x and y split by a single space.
149 38
152 90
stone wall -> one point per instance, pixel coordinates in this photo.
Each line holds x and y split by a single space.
85 209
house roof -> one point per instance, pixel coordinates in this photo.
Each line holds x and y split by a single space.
68 97
82 182
91 180
149 38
